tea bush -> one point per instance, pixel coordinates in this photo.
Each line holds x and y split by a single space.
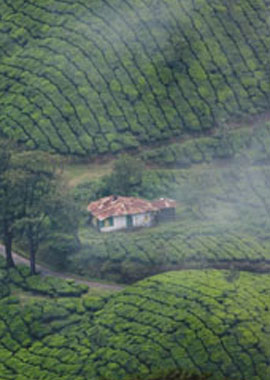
191 322
101 77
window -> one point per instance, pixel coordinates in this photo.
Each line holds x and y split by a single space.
101 223
129 221
111 221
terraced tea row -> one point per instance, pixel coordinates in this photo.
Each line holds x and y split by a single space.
203 322
101 77
31 345
197 321
132 256
232 144
191 319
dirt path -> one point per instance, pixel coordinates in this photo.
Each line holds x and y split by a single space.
45 271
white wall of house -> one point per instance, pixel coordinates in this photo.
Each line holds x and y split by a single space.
143 220
120 222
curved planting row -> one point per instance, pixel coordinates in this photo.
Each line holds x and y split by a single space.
227 145
194 319
131 256
199 321
31 346
91 78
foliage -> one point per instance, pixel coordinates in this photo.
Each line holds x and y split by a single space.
62 234
126 178
34 204
189 318
238 143
170 375
20 277
198 321
11 205
104 77
57 248
37 188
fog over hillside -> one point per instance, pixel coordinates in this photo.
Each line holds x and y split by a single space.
99 77
132 99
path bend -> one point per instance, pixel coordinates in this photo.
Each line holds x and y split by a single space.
45 271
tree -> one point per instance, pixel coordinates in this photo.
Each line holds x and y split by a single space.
33 200
64 216
126 178
37 182
10 201
48 210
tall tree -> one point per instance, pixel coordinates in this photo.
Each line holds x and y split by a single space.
47 208
38 183
10 202
32 202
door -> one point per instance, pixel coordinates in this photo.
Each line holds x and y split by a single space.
129 221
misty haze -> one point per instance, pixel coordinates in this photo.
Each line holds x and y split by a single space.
134 190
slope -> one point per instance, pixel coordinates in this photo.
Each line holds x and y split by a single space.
198 321
98 77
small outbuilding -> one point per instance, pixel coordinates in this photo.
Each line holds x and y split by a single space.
117 213
166 209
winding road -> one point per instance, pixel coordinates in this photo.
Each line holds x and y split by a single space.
45 271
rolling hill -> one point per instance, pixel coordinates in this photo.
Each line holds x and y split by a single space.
96 77
185 83
199 321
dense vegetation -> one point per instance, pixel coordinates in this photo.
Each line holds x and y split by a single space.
35 206
128 257
102 76
189 79
226 144
209 320
203 322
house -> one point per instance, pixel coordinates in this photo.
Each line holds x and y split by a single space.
166 209
116 212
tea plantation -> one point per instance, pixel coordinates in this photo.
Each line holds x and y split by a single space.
101 76
227 145
130 257
184 84
201 322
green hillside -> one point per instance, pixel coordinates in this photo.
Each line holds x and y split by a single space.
129 257
203 322
183 85
95 77
208 320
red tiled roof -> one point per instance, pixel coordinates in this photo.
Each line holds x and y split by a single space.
117 206
164 203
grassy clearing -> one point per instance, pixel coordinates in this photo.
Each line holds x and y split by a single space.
76 174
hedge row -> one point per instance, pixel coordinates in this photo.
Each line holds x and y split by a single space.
128 257
100 77
19 277
200 321
206 320
231 144
31 343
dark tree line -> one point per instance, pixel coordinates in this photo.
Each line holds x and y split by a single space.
34 202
